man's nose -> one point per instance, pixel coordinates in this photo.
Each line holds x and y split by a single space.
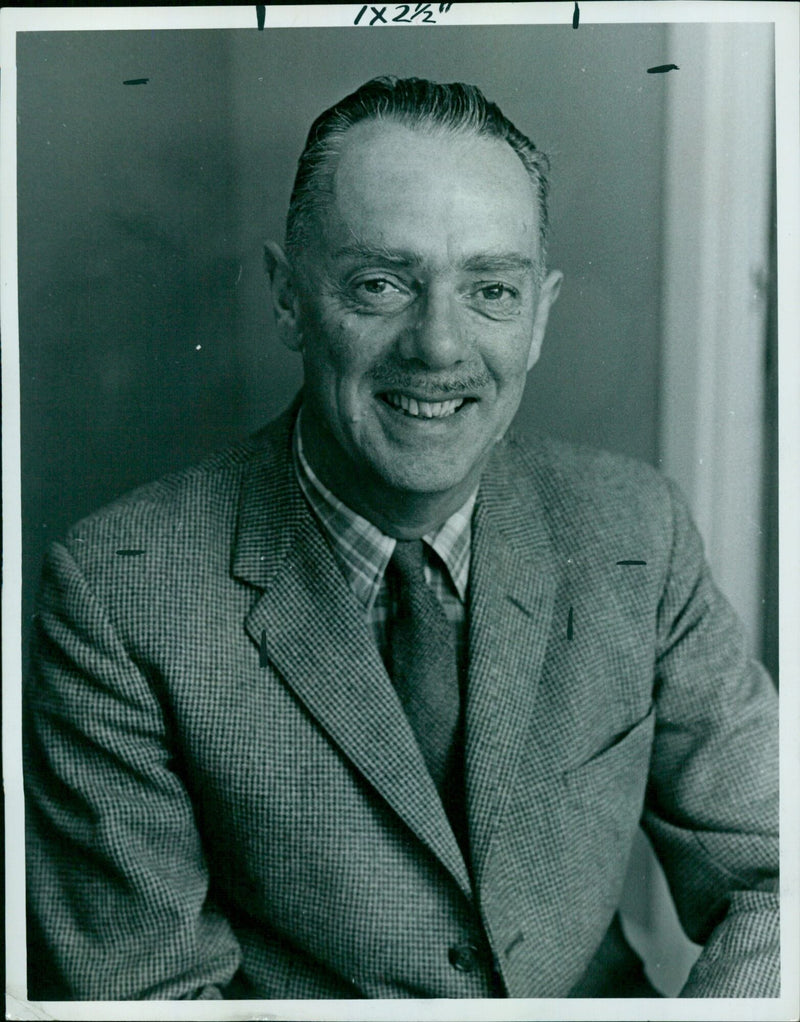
436 337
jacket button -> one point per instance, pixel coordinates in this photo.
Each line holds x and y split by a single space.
463 957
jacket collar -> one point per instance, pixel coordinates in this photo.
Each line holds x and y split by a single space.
271 506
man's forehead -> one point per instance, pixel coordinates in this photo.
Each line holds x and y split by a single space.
395 182
383 144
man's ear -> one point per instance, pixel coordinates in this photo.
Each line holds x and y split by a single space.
548 293
285 300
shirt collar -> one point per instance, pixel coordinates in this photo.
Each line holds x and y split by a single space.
362 550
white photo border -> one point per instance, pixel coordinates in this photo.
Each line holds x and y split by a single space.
786 19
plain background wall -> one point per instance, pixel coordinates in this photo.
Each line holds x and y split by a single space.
146 336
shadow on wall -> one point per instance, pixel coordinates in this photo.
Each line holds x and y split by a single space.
650 922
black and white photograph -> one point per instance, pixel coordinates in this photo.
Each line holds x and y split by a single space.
400 512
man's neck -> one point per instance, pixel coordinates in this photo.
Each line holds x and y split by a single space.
401 514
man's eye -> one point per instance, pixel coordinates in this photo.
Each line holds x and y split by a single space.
496 292
377 286
380 295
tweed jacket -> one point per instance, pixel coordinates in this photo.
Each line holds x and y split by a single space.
226 800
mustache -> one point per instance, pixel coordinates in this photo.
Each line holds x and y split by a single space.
389 376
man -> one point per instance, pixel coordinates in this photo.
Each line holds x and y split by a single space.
373 704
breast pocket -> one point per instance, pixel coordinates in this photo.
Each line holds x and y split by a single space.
606 792
624 747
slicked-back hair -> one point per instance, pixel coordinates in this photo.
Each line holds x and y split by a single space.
417 103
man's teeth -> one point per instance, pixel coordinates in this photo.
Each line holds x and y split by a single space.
424 409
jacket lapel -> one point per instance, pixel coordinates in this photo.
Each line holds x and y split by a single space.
512 590
311 629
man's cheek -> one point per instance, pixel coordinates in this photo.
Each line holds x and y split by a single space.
344 344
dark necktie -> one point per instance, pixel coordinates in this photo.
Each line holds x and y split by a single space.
421 659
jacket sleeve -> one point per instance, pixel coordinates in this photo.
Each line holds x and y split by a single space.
117 883
712 801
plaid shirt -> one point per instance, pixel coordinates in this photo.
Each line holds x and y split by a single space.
363 552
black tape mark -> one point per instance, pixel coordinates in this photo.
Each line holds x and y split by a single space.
261 14
262 650
129 553
576 15
570 622
660 69
136 81
631 562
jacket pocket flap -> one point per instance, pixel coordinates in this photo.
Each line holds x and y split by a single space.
624 748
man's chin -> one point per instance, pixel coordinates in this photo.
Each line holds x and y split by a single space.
429 476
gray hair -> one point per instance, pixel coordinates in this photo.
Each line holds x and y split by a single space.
415 102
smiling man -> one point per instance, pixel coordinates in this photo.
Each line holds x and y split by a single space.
418 306
373 704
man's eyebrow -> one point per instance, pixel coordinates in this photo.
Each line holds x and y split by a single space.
496 262
371 252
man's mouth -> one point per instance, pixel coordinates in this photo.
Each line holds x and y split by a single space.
422 409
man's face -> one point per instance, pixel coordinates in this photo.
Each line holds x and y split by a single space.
418 309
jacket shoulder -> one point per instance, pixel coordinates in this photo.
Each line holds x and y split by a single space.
195 505
591 494
583 470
